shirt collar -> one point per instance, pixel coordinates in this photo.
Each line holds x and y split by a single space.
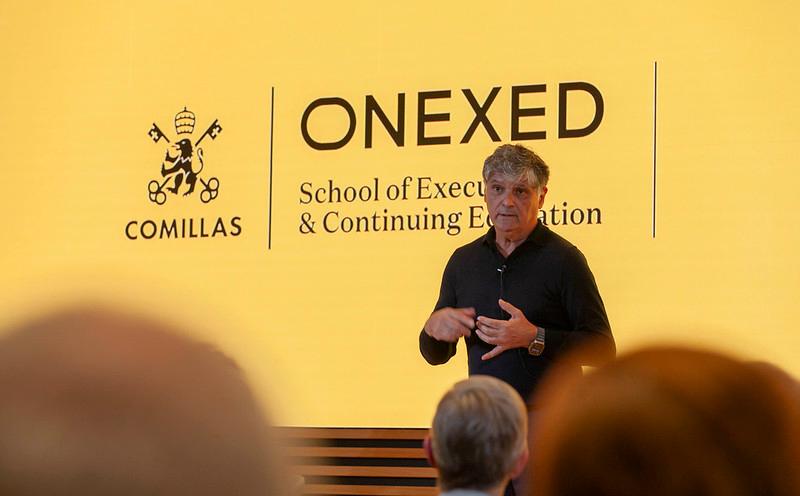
536 237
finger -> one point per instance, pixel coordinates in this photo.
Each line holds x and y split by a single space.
508 307
463 319
489 331
484 329
495 351
486 337
493 323
468 311
456 329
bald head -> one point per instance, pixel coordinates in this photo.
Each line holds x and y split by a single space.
98 402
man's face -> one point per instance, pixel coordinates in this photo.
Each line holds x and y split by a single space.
513 205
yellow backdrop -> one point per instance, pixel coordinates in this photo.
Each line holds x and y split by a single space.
700 97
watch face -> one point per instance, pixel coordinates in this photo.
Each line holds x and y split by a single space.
536 347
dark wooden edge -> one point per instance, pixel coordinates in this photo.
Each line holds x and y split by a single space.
342 452
369 490
368 471
350 433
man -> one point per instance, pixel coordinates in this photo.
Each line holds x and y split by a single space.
478 440
99 403
521 295
666 421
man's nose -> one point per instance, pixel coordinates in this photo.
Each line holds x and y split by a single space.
507 199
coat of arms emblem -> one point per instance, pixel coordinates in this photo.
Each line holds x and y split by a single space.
183 161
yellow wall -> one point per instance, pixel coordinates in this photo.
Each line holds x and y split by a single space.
326 324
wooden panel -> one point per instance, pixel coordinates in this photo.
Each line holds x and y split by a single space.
338 452
370 490
347 471
350 433
315 443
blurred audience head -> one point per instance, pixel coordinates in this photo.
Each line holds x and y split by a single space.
94 402
478 439
668 421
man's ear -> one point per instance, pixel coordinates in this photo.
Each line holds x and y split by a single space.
426 445
542 195
519 467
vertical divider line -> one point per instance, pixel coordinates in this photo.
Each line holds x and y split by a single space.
655 139
271 136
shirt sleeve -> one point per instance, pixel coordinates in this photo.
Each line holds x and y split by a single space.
590 329
438 352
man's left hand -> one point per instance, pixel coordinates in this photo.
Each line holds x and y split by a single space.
517 332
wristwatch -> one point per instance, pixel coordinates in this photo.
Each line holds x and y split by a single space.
536 346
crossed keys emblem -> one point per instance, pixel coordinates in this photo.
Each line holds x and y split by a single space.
180 165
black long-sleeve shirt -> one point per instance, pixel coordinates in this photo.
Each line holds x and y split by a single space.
548 279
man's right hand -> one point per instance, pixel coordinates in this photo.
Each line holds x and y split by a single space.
449 324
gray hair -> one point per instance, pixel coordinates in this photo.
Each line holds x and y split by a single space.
518 162
478 433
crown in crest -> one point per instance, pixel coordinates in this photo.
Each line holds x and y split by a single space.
184 121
